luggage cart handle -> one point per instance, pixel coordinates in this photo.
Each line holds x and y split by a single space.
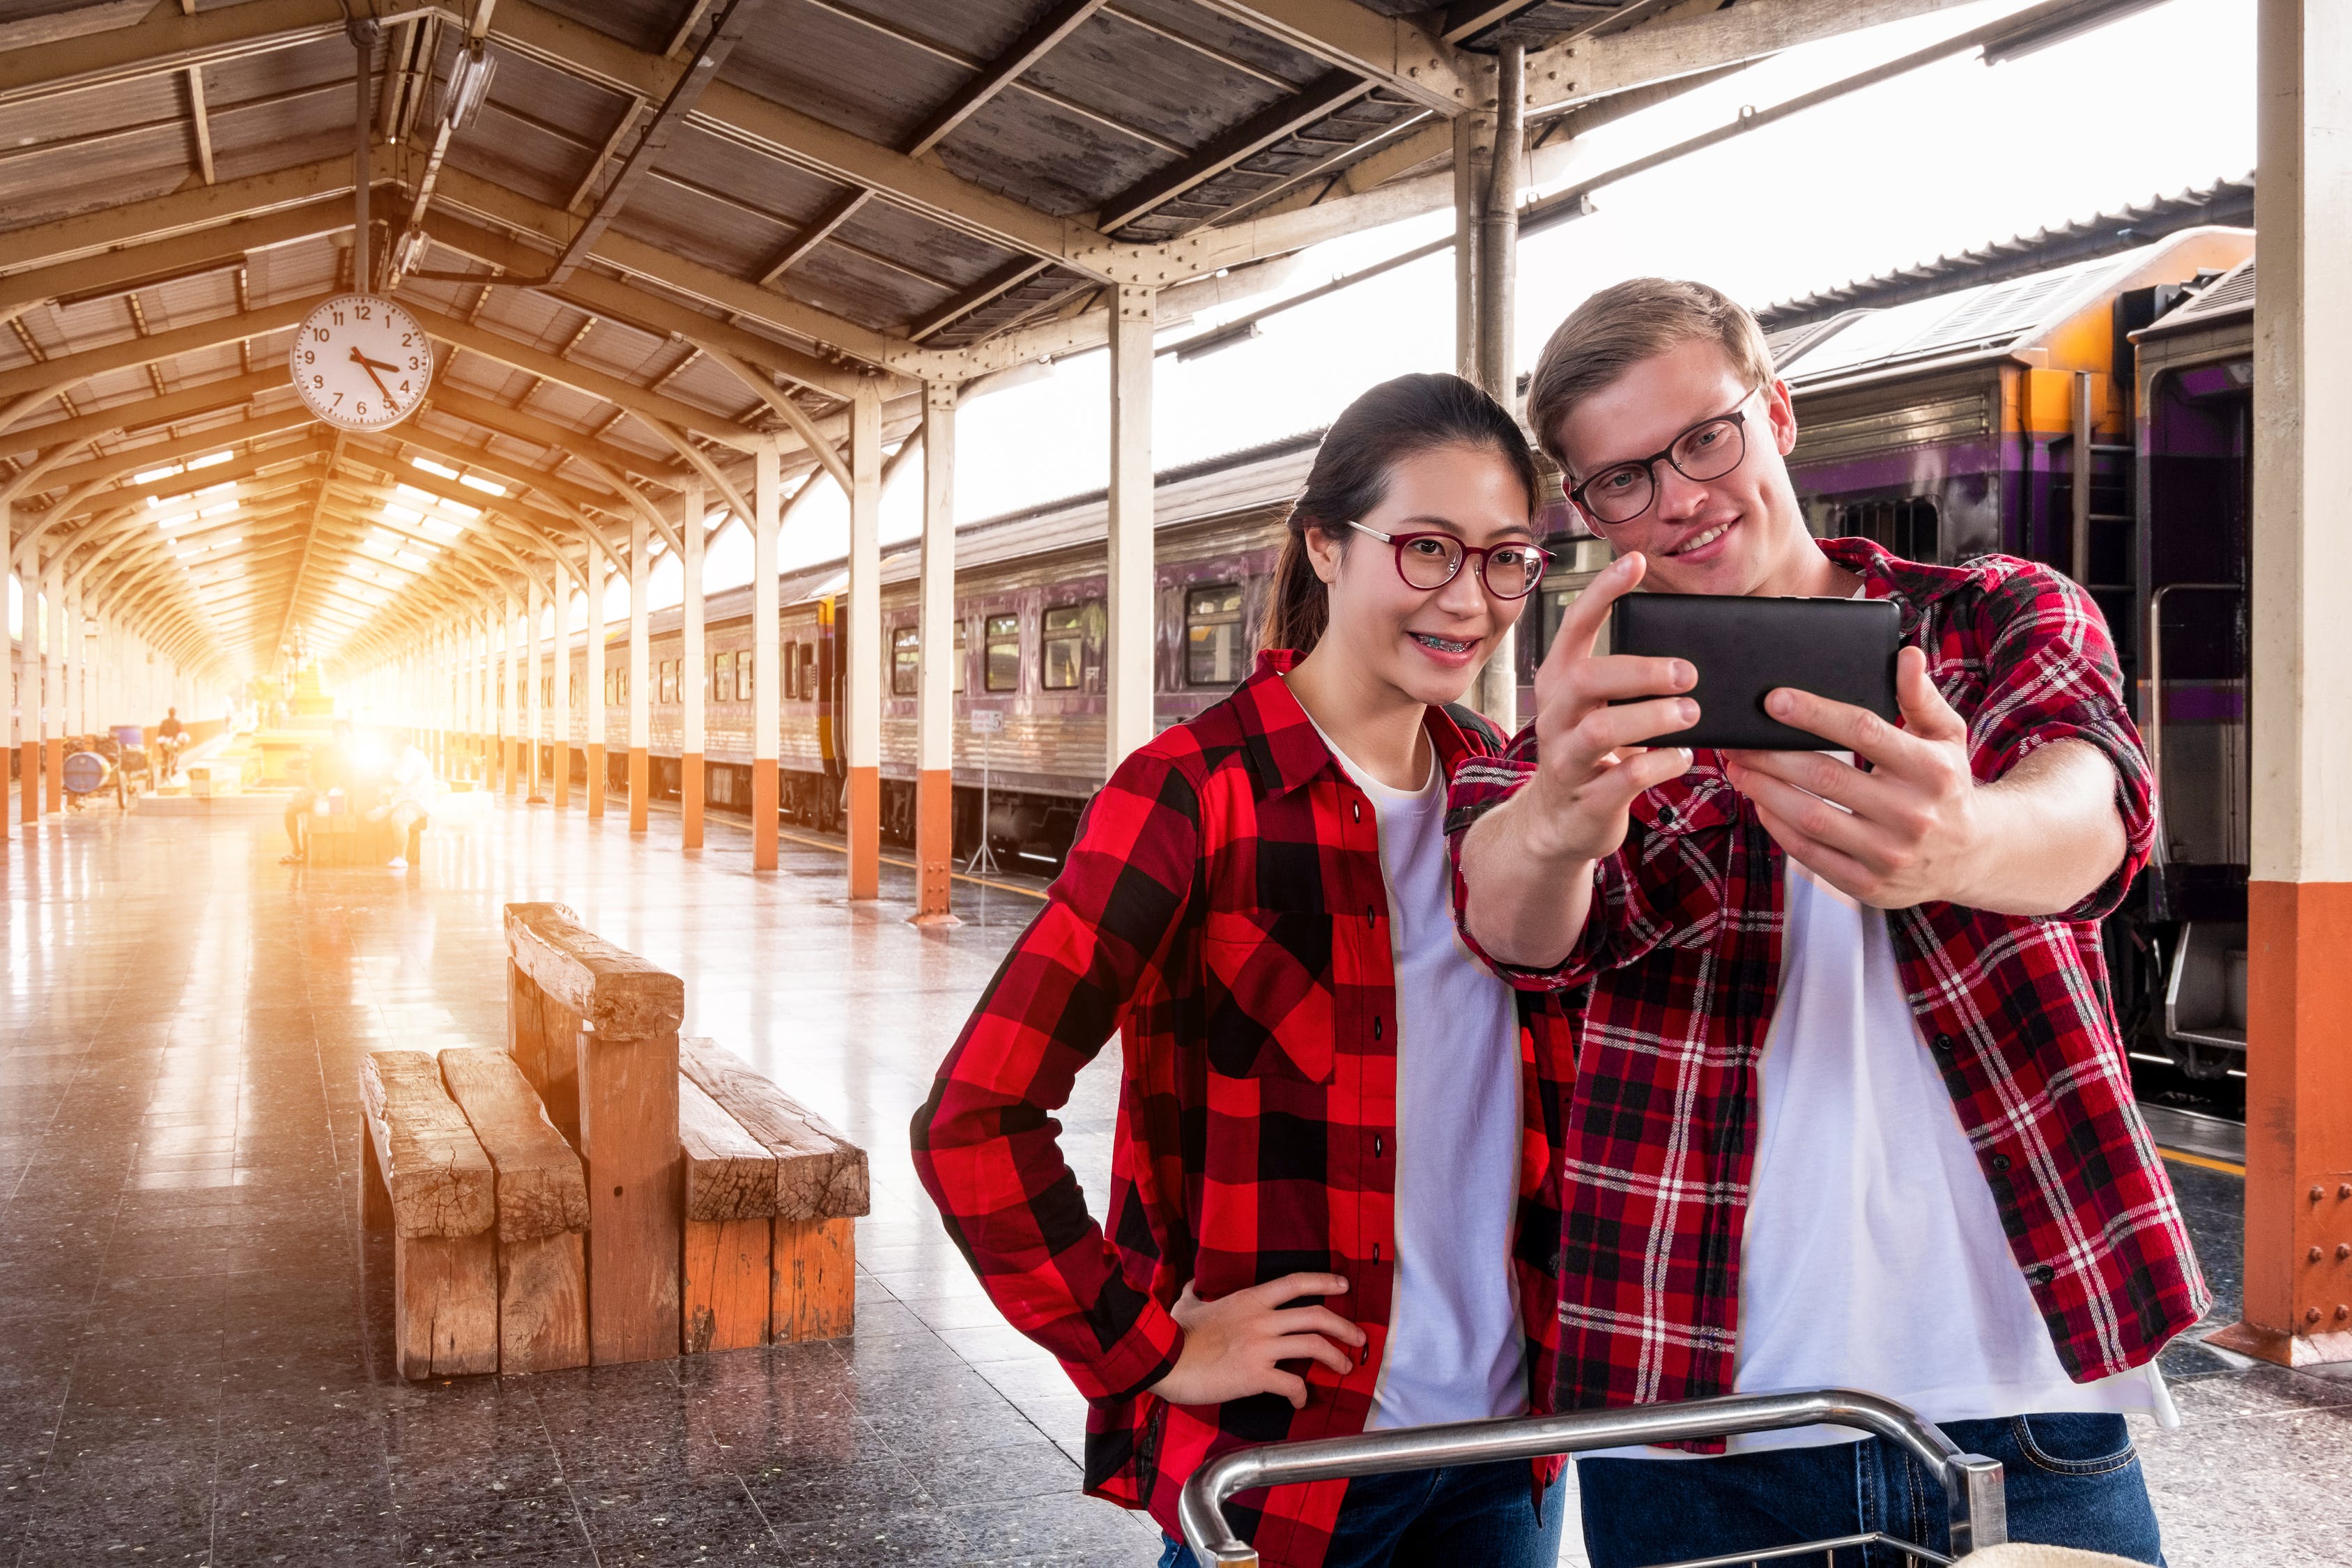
1972 1483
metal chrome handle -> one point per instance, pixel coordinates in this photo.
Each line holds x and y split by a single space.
1978 1512
2152 731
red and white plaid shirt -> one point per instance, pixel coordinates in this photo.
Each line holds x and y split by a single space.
1682 951
1222 912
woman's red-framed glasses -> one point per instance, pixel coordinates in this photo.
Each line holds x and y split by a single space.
1429 561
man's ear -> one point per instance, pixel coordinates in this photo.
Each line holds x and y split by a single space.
1323 552
1782 409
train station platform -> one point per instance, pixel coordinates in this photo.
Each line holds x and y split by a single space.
195 1338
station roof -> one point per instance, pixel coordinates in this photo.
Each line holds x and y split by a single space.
647 233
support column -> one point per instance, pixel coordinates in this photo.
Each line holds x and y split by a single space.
693 671
599 701
485 695
559 717
863 647
53 685
1496 692
1128 667
24 699
510 701
535 597
77 667
2299 1263
766 479
640 673
935 645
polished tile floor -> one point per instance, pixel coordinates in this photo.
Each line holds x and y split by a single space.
193 1350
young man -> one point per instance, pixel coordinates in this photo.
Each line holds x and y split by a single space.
1849 1105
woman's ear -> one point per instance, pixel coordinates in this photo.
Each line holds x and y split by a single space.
1323 552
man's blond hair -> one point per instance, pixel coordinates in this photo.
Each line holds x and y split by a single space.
1626 323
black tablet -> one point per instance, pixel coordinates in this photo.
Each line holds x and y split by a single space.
1743 648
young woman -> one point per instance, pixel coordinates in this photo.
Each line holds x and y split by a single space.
1334 1202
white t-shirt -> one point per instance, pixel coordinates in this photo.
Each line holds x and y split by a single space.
1454 1350
1874 1256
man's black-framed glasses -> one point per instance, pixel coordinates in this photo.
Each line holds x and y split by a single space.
1429 561
1707 450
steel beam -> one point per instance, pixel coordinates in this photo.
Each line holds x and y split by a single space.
1127 668
863 647
935 651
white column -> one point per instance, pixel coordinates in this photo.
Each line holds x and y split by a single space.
536 608
559 716
766 478
693 673
640 674
863 647
935 689
598 703
1127 670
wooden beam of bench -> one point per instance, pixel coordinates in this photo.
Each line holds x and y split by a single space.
612 991
438 1178
427 1177
820 1174
729 1173
541 1189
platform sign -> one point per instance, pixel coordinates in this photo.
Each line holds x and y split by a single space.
987 720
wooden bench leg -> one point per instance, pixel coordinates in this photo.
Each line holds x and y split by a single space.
727 1285
815 1272
543 1303
375 1199
628 1138
445 1290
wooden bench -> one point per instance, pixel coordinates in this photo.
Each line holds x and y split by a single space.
349 839
772 1196
595 1031
429 1179
542 1200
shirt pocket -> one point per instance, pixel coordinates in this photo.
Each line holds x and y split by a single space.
1270 1011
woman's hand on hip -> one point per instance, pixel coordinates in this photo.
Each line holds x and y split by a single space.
1234 1345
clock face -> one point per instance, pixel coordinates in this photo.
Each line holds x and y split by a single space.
361 361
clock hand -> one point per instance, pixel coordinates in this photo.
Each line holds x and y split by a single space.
368 366
377 363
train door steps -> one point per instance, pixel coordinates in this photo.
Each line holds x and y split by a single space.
599 1191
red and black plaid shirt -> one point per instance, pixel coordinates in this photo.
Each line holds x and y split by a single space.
1223 910
1683 953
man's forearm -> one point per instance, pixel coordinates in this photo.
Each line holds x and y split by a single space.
1523 908
2050 834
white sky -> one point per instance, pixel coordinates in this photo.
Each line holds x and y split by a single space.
1945 159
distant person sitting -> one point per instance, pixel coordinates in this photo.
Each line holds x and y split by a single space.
412 787
171 739
331 768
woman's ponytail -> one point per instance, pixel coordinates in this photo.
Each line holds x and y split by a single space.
1392 421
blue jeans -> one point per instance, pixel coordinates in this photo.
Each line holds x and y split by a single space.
1481 1514
2070 1480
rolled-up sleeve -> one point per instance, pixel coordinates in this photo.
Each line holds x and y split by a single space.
2052 675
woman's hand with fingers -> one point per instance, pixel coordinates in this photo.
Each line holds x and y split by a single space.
1234 1345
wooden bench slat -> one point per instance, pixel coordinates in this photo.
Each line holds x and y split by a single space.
438 1178
541 1189
820 1174
612 990
729 1173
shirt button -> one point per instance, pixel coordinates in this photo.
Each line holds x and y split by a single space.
1356 810
1376 1028
1665 817
1377 1146
2001 1162
1944 1042
2044 1274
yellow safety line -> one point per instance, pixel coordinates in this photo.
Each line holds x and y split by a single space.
2206 1161
910 865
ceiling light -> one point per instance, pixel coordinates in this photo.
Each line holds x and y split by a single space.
151 475
175 521
206 462
430 466
481 484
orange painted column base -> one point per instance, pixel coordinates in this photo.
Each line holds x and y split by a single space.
595 781
560 768
763 813
28 782
2298 1262
866 832
55 774
689 798
640 786
934 846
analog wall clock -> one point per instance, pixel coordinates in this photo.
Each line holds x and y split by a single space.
361 361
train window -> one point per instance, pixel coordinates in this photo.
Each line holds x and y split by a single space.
1214 647
669 680
962 654
906 660
809 693
1001 653
1908 528
1073 645
547 692
722 677
743 667
791 651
